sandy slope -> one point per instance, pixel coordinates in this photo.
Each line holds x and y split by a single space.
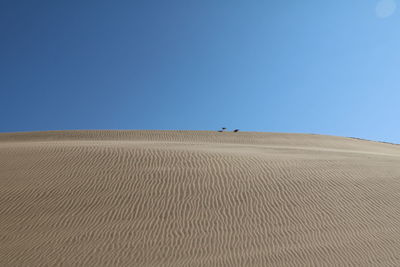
180 198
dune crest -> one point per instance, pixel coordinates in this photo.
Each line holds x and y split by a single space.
197 198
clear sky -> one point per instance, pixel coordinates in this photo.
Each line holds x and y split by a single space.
325 67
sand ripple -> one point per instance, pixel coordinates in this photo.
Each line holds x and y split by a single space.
176 198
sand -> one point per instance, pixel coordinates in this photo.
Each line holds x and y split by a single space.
197 198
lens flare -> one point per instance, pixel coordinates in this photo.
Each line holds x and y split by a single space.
385 8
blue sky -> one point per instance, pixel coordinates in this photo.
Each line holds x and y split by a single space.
325 67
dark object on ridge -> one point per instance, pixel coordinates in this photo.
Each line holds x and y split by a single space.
236 130
223 129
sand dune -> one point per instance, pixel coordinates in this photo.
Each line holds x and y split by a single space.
186 198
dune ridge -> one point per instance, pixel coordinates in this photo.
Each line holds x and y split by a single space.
197 198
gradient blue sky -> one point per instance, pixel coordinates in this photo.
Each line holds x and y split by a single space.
326 67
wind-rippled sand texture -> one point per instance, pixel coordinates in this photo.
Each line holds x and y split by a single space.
197 198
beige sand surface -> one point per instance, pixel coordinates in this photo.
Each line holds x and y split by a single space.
197 198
